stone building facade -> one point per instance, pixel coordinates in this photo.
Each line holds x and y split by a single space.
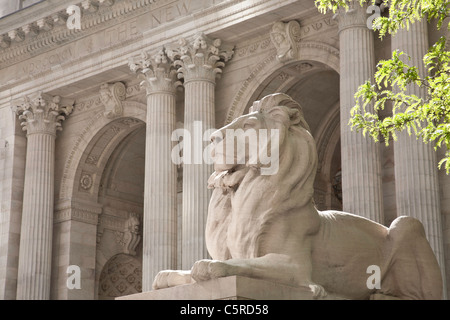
103 193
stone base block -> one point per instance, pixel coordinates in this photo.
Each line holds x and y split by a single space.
229 288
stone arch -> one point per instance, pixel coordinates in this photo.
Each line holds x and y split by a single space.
121 275
74 180
328 141
307 51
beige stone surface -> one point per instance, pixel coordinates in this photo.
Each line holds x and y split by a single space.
100 157
229 288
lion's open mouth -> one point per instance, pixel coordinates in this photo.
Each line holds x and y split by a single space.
229 178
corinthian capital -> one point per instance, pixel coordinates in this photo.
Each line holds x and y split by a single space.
156 71
353 16
200 58
42 113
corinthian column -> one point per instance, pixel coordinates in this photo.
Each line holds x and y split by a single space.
41 116
160 194
361 166
416 181
199 62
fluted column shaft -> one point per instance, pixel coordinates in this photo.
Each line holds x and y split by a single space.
199 61
361 165
416 180
37 219
199 109
160 191
160 204
41 116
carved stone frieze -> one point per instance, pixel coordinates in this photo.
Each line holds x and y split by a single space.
77 211
53 30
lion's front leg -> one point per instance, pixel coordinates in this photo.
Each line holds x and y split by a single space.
277 268
171 278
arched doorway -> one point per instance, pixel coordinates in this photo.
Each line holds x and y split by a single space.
100 207
119 232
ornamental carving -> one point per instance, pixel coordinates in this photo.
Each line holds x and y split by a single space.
42 113
284 37
156 71
200 58
121 275
111 96
130 237
86 181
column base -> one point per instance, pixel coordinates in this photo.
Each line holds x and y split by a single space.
230 288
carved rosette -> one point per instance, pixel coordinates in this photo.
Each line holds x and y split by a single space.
157 72
111 96
42 113
354 16
284 37
201 58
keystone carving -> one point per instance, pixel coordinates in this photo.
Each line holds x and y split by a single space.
111 96
131 236
283 36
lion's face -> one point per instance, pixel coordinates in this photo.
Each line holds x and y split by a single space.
252 140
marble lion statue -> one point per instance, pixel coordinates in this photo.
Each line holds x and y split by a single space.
267 226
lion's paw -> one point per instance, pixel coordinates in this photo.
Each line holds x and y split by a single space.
209 269
171 278
318 291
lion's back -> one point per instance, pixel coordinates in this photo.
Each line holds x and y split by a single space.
345 246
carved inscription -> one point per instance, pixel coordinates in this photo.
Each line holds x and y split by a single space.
171 12
121 33
46 62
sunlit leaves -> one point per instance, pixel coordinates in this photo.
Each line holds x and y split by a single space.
425 115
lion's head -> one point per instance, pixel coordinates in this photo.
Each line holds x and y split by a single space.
264 161
273 139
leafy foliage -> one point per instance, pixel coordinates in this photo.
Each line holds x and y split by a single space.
426 115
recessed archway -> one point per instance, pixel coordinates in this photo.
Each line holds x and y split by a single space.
315 85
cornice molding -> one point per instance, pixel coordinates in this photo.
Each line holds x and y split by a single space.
43 34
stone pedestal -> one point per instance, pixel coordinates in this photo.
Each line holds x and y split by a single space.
229 288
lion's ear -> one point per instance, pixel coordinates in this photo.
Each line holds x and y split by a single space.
294 116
